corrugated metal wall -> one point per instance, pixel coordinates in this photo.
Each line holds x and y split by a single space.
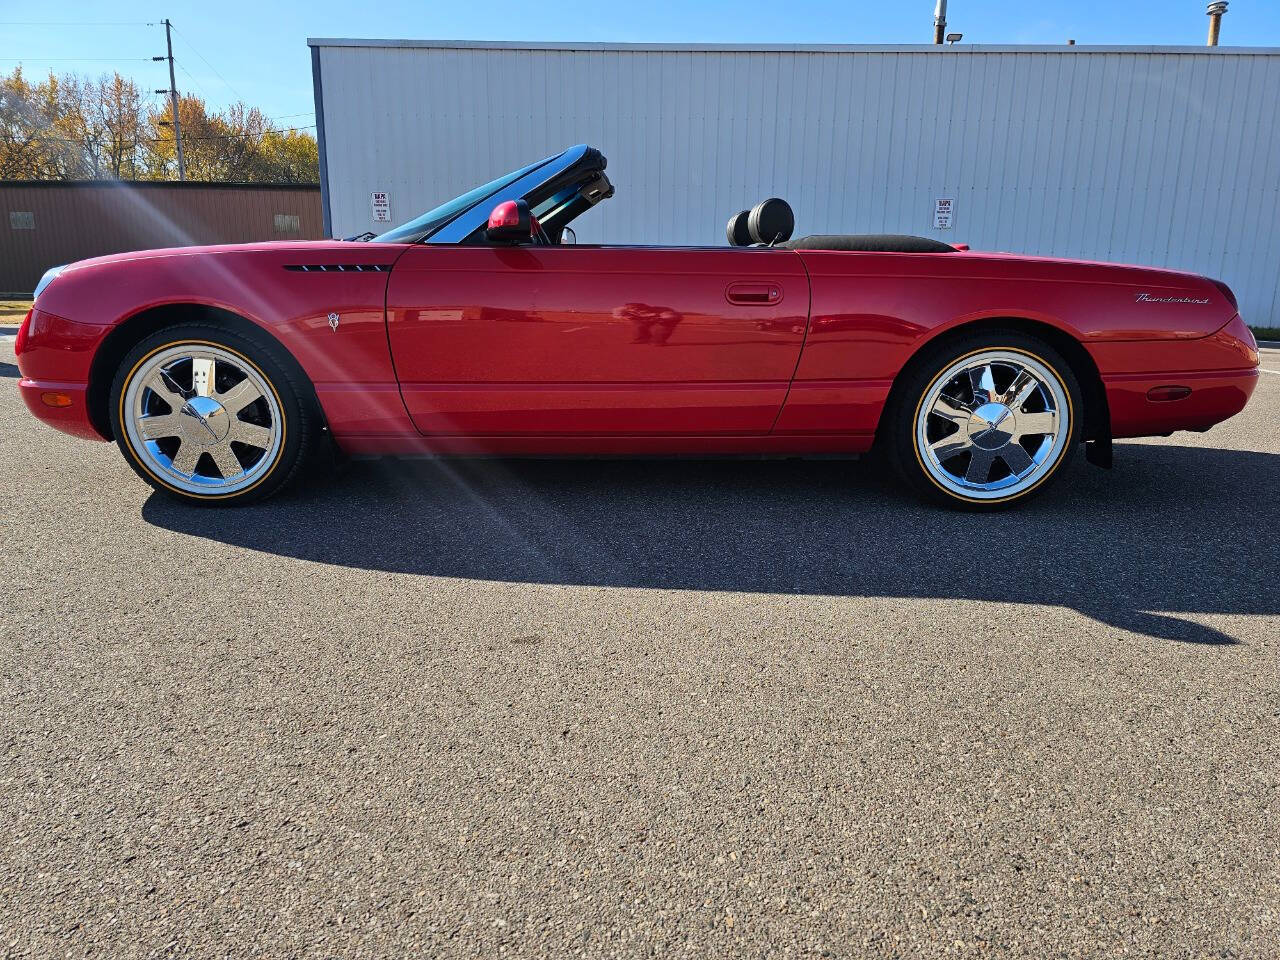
1162 156
46 223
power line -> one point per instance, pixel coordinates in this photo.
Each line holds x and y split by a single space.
73 23
198 84
76 59
165 93
239 136
172 93
239 96
187 139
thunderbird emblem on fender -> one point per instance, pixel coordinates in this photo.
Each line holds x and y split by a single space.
333 322
1148 298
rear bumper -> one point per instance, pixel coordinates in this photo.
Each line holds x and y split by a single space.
1212 379
1214 397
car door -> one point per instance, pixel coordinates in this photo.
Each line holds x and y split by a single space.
587 340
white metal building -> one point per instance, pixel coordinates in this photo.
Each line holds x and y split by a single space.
1168 156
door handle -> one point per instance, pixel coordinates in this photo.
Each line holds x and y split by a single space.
754 294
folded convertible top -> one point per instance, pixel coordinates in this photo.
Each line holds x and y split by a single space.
872 242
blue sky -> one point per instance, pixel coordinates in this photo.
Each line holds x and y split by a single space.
256 51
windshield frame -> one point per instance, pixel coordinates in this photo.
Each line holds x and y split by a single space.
466 221
424 225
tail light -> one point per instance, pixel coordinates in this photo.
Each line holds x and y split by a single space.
1225 291
20 341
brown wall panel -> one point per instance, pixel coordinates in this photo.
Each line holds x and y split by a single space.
74 221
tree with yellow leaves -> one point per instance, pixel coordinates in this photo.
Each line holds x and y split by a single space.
72 128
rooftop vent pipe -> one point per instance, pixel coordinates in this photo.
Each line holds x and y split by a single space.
940 21
1215 12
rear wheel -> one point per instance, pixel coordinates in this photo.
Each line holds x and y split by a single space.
210 416
984 421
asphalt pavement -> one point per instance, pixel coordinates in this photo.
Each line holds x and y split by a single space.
667 709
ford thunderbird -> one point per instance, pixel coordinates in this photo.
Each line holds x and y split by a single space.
479 328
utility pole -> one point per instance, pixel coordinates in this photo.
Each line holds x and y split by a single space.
173 99
939 21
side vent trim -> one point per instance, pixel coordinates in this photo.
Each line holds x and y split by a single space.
338 267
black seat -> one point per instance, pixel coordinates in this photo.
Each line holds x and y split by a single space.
739 235
769 222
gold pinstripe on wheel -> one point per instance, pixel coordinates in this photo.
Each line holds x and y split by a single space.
140 461
986 501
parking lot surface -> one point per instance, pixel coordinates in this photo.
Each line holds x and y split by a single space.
548 709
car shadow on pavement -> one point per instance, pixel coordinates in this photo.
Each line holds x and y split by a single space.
9 370
1172 530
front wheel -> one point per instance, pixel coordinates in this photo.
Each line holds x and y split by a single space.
210 416
984 421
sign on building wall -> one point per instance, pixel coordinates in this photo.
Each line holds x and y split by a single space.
942 213
381 203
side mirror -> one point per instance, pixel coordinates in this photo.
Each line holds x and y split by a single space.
510 222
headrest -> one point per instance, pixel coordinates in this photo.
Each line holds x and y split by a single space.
737 231
771 221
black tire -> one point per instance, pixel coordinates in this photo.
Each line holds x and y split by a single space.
300 426
900 428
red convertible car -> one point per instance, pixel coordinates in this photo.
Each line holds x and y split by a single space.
479 329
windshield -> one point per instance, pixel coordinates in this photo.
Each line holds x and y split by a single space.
422 227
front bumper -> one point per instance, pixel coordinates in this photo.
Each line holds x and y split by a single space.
72 418
54 359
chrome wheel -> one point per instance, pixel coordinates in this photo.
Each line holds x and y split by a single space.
993 425
202 419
